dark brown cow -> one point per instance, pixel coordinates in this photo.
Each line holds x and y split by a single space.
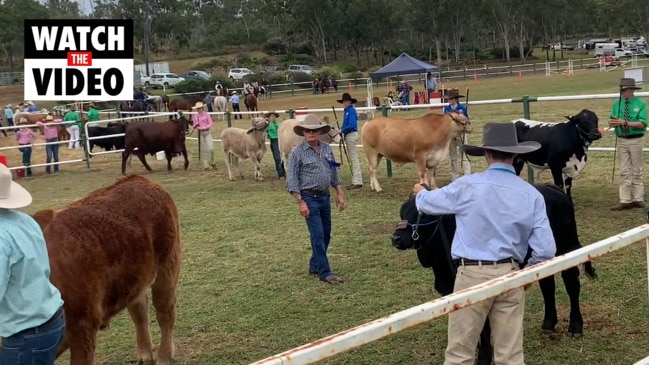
151 137
104 256
184 103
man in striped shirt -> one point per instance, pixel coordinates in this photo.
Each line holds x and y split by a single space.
311 172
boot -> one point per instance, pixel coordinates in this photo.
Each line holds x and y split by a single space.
623 206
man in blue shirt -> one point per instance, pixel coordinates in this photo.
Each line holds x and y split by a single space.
32 321
455 148
312 171
430 83
499 216
234 99
349 131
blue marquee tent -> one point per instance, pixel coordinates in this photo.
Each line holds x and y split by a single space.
404 65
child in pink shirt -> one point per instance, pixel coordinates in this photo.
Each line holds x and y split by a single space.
25 137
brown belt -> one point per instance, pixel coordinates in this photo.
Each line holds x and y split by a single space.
314 192
467 262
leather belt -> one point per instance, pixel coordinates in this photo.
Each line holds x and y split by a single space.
467 262
314 192
37 329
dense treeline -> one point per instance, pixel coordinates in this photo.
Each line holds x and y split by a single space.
322 31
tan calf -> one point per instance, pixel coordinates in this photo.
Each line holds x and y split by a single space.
424 141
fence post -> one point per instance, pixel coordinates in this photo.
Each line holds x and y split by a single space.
388 163
291 114
83 137
526 114
228 118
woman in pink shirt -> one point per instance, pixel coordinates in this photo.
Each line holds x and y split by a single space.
203 122
25 137
51 134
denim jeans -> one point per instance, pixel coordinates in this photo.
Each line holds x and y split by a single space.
34 346
319 223
52 151
27 158
279 165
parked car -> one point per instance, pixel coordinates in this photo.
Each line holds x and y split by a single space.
300 68
196 74
239 73
559 46
164 79
273 69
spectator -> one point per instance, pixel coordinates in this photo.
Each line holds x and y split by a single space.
234 99
50 131
25 138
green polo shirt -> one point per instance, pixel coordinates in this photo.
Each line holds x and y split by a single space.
73 116
637 113
93 115
272 129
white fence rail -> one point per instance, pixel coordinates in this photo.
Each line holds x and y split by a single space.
344 341
644 361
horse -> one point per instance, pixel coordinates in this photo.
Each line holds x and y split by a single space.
165 102
139 107
156 102
320 87
331 83
251 104
255 91
186 102
220 104
223 91
124 106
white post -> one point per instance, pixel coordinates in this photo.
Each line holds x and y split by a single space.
647 242
547 68
370 97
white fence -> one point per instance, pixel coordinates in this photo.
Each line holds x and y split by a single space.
326 110
344 341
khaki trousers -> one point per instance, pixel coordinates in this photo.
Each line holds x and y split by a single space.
455 150
207 148
505 313
350 143
631 158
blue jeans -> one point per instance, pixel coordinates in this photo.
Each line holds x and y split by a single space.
319 223
279 165
34 346
52 151
27 158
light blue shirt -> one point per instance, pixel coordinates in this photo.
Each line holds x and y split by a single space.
430 83
9 114
234 99
27 297
498 215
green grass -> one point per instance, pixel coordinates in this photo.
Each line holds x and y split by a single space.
244 293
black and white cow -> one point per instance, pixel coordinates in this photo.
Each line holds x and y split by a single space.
563 146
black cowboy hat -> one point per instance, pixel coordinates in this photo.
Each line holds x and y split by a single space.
453 94
501 137
346 96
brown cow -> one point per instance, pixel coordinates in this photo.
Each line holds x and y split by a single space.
151 137
424 141
104 256
186 102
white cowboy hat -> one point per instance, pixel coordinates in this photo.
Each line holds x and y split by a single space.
29 103
234 91
12 195
311 122
198 105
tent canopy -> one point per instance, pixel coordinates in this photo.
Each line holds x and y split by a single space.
404 65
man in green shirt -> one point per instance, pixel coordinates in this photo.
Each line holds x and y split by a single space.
629 118
273 125
93 113
73 129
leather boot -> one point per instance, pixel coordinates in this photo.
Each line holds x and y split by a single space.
623 206
638 205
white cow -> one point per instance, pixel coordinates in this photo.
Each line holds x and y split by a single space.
245 144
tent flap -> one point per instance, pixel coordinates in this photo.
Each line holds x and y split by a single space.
404 65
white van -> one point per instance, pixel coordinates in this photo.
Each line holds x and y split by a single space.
603 49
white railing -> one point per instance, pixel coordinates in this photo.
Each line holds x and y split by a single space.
644 361
360 109
369 332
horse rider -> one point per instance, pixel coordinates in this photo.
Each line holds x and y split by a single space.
218 87
255 84
142 96
247 89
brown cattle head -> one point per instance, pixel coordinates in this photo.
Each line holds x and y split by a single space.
259 124
44 218
461 123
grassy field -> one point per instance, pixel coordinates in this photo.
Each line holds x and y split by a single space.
244 292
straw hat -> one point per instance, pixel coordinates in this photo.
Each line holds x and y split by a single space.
12 195
198 105
311 122
267 115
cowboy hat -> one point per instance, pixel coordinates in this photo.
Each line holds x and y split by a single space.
198 105
12 195
29 103
453 94
311 122
267 115
8 106
628 83
501 137
346 96
234 91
